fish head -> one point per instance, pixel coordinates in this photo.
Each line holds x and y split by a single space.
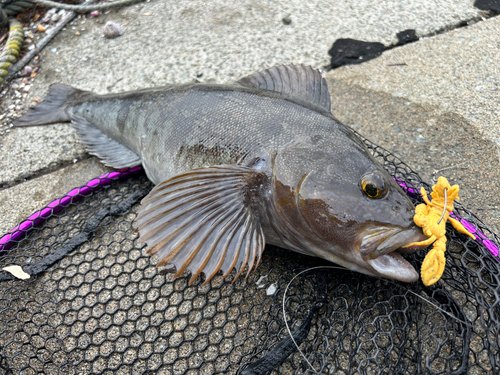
341 205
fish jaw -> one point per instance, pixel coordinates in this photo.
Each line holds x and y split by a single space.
394 266
382 253
381 249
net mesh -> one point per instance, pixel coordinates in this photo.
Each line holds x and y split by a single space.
105 307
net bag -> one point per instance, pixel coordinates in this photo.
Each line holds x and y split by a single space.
98 305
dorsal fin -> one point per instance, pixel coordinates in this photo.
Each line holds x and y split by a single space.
295 81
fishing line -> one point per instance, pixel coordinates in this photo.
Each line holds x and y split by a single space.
445 204
340 268
437 307
284 312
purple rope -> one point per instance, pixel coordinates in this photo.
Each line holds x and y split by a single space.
480 236
39 217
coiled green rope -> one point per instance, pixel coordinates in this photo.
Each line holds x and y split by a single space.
11 51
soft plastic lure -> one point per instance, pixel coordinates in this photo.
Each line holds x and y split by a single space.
432 217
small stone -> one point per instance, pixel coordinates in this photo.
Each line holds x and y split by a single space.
94 14
27 70
77 33
49 14
55 17
112 30
41 28
287 20
271 289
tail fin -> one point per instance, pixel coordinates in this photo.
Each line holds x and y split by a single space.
52 109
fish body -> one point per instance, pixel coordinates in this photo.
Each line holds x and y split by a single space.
178 128
236 166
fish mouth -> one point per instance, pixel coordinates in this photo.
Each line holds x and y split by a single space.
381 250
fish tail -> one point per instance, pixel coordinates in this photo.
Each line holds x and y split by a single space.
53 108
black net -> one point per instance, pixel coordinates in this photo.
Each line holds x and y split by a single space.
101 305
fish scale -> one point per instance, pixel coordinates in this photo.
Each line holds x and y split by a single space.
236 166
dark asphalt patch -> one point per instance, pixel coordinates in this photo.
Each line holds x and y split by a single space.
351 51
406 36
493 5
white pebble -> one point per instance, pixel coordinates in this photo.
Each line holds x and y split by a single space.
112 30
55 17
271 290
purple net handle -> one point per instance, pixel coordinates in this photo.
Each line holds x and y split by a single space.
39 217
480 236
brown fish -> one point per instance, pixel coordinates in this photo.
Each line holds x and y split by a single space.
236 166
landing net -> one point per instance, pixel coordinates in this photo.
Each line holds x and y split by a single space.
98 305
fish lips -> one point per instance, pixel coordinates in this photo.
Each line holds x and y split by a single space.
381 252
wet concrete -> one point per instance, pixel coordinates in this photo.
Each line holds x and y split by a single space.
432 142
20 201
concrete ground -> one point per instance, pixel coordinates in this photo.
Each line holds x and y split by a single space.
432 102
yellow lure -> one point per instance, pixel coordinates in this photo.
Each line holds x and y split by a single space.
428 216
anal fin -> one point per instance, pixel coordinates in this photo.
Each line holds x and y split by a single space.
112 153
202 221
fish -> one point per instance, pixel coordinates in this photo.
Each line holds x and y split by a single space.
241 165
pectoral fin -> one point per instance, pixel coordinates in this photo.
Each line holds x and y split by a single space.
202 221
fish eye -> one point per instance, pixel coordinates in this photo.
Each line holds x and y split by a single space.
373 185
